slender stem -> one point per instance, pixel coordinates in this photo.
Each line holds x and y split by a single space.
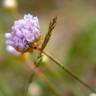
37 71
68 71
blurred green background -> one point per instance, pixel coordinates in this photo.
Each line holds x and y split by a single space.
73 43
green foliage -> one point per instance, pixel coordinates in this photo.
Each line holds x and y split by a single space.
82 54
4 89
83 45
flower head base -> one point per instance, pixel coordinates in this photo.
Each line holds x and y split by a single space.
25 33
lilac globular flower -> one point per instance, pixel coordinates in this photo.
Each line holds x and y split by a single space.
25 33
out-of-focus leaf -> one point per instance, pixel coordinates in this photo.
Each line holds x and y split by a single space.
4 89
82 53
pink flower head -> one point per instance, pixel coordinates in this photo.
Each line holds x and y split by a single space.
24 32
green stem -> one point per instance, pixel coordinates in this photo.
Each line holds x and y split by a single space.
68 71
38 72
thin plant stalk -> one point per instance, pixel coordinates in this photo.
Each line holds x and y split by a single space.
68 71
38 72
